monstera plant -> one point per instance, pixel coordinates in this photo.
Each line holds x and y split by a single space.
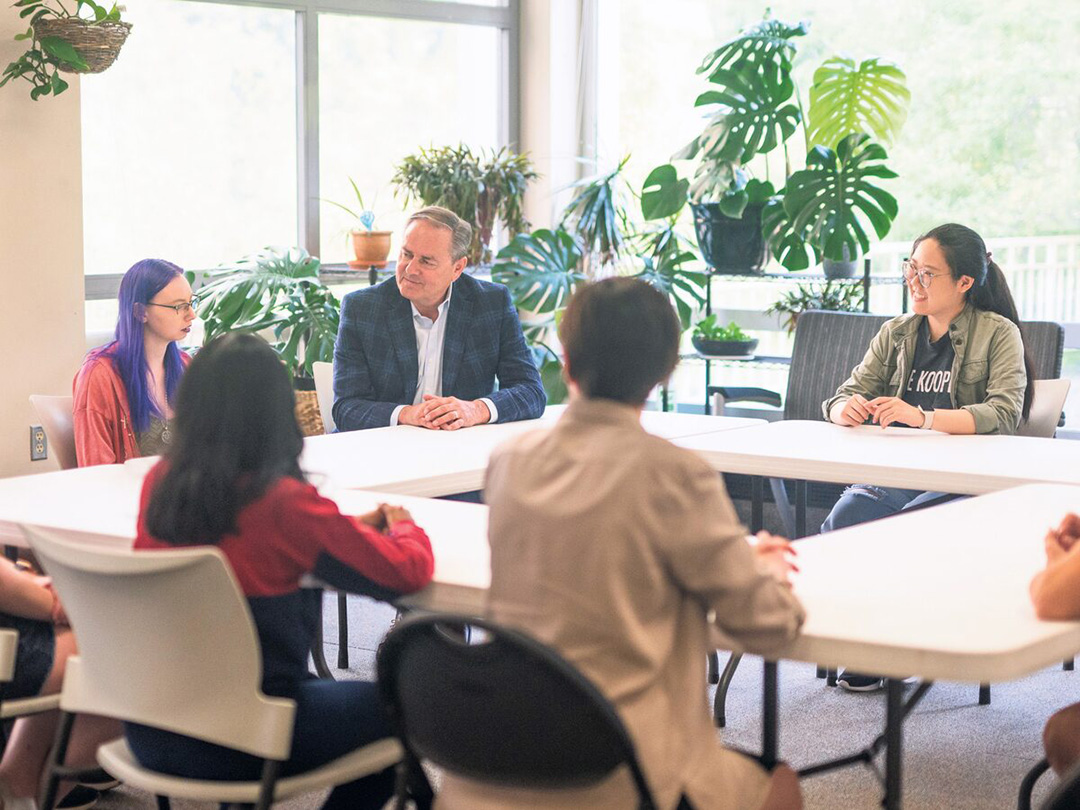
756 110
279 291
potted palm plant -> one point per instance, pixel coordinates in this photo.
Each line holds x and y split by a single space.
277 292
484 189
84 40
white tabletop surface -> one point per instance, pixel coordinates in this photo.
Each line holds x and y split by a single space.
939 593
415 461
399 460
889 457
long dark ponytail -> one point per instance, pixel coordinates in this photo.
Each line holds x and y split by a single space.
966 253
235 435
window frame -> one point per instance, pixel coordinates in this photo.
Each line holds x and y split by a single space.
507 19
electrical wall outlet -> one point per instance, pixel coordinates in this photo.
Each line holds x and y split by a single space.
39 445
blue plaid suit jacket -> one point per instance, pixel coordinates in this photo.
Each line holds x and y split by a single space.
375 365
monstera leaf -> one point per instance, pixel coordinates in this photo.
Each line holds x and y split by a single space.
753 116
830 200
871 97
541 269
274 289
791 249
767 42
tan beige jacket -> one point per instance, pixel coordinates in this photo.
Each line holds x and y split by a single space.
613 546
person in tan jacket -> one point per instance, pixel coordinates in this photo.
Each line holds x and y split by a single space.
624 552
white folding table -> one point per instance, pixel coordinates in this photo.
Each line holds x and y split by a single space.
942 594
889 457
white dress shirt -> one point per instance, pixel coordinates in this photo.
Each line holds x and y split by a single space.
430 339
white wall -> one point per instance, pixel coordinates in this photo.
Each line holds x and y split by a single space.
41 264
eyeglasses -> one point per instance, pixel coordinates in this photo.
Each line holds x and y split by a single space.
910 271
179 309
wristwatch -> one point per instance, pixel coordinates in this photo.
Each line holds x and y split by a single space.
928 418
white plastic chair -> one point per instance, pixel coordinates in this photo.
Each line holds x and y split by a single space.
1046 406
324 390
56 419
149 653
17 707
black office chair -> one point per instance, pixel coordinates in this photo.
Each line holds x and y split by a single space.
496 706
1064 796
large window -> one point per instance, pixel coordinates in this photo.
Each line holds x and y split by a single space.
412 84
200 147
189 140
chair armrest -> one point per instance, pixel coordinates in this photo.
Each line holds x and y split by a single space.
730 394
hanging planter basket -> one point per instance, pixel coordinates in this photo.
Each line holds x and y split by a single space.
97 43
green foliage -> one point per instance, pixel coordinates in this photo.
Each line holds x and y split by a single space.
834 295
40 65
664 253
479 188
845 99
708 329
541 270
366 218
826 205
279 290
597 216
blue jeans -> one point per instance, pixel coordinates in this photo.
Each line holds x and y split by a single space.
332 719
862 503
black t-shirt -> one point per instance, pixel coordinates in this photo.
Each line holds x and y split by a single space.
931 371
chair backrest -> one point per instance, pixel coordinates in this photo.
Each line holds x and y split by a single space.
56 419
1065 795
828 345
166 639
505 710
1046 405
1045 342
324 390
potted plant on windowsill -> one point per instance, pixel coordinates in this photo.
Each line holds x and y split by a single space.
65 41
277 292
484 189
371 247
824 210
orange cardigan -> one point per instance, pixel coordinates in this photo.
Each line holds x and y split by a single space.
101 414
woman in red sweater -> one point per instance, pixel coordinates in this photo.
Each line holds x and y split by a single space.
231 478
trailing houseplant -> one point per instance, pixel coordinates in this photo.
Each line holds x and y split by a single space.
484 189
84 40
370 247
756 110
833 294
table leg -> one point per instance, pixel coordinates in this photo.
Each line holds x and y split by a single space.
894 724
800 508
757 503
770 715
318 653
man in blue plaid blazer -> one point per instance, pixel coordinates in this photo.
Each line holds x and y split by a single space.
425 347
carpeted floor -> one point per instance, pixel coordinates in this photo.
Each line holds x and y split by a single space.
957 754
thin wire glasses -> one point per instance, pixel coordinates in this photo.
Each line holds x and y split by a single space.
179 309
911 271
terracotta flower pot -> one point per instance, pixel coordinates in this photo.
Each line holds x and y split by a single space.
371 248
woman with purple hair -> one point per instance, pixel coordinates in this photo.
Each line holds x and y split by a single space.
124 390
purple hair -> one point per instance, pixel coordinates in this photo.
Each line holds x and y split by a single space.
141 282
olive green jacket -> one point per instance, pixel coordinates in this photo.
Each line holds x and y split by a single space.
988 374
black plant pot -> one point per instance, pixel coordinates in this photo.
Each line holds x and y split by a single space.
731 246
724 348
